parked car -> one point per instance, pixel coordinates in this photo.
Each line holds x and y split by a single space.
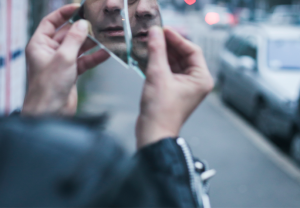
285 14
260 76
295 144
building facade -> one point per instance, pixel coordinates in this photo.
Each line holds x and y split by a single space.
18 21
13 39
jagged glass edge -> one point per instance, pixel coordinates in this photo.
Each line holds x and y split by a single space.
132 64
100 45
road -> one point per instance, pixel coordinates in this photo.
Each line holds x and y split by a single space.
251 172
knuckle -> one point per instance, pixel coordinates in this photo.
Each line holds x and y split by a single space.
152 45
156 45
210 84
152 73
28 49
44 20
205 85
62 57
155 75
76 36
199 50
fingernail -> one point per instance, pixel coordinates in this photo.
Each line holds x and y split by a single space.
154 32
82 25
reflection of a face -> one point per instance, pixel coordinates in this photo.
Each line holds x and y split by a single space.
105 17
143 14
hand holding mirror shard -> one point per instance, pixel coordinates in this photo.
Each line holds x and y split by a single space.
143 14
121 27
107 26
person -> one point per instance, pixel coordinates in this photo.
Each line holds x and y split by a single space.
143 14
107 25
105 18
66 162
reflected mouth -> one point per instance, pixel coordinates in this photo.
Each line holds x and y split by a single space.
114 31
142 36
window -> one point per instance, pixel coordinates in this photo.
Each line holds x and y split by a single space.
242 46
248 50
284 54
234 44
229 42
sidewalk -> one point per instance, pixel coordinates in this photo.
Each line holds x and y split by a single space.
115 90
246 175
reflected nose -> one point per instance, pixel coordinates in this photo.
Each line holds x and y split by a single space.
146 10
113 7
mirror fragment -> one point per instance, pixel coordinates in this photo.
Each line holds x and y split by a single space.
106 26
122 31
143 14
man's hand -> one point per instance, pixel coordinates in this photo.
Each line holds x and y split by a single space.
53 64
177 82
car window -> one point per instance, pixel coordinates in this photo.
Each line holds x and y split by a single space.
229 42
284 54
234 44
248 50
242 46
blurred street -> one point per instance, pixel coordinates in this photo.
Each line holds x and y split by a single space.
251 171
247 129
247 175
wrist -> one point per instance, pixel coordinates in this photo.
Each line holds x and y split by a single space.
147 140
38 103
148 133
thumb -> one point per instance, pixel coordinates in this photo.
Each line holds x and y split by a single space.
158 59
74 40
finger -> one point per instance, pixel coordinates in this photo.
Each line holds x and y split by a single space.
178 63
53 21
87 45
174 64
61 34
158 60
73 41
90 61
181 45
189 55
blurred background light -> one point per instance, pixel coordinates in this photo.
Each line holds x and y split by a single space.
212 18
190 2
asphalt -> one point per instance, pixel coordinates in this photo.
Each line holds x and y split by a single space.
247 176
251 171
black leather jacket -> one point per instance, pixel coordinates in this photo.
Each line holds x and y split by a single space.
59 163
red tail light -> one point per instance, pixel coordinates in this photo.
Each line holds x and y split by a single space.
190 2
212 18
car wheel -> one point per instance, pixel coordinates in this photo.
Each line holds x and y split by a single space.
260 120
295 148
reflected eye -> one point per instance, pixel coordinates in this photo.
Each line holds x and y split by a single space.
130 2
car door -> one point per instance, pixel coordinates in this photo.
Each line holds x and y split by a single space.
229 66
245 83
